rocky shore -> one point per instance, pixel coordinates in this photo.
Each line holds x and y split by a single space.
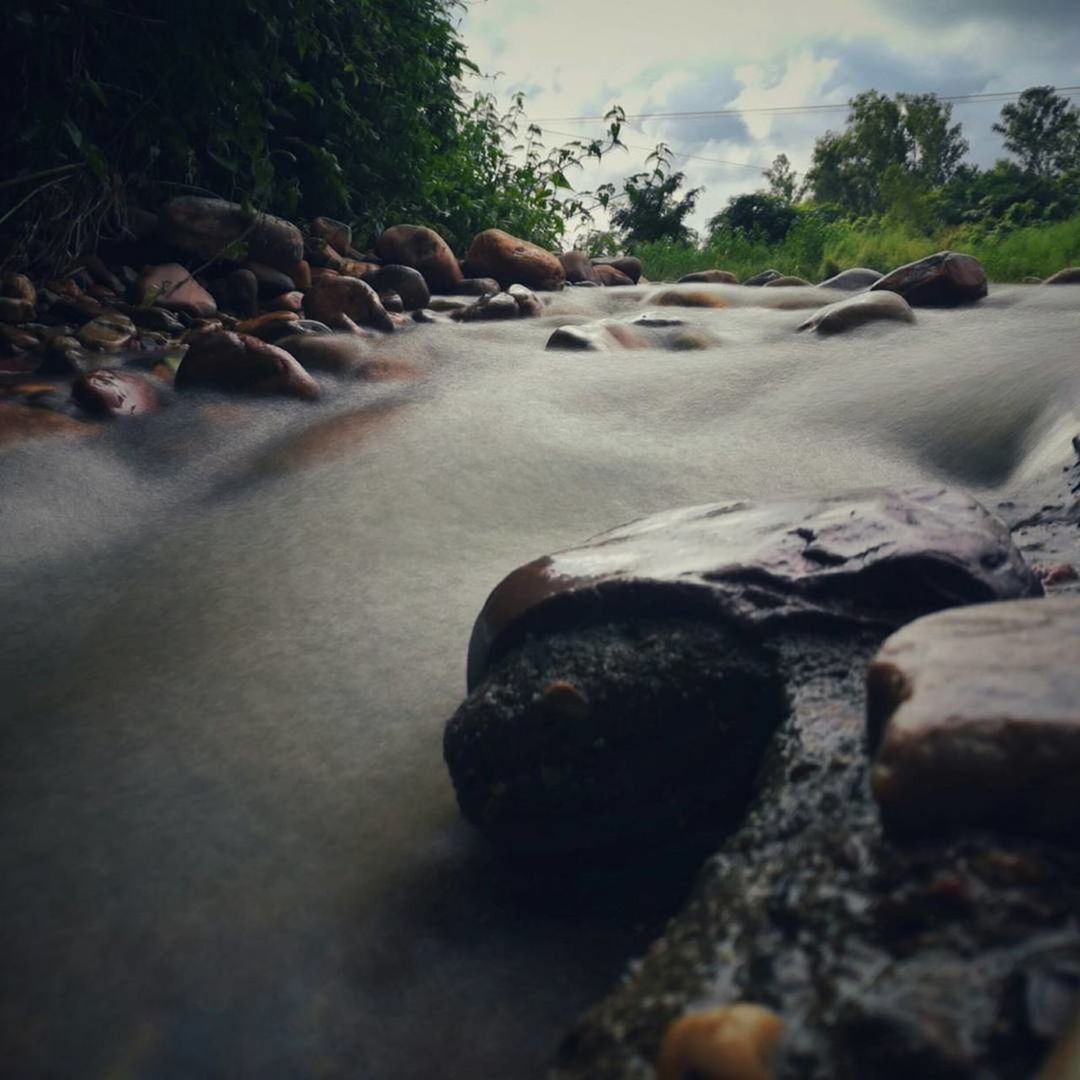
858 710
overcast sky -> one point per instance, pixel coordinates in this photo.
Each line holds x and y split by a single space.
579 57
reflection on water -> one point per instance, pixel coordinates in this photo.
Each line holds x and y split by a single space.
229 844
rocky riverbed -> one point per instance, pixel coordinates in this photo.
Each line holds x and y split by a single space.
252 518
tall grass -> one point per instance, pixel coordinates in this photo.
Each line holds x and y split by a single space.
816 250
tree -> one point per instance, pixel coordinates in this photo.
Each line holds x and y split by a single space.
651 210
783 180
1043 130
759 214
908 132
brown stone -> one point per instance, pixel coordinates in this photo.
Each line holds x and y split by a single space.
1069 276
238 363
17 338
974 715
577 267
611 276
336 233
357 268
261 324
172 287
407 282
19 423
19 287
529 304
109 332
213 228
301 274
14 312
291 302
501 305
857 310
481 286
690 298
626 264
330 298
115 393
271 282
709 277
941 280
423 249
318 253
497 254
732 1042
579 339
392 302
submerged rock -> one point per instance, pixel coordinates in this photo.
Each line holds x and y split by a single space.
763 278
579 339
942 280
223 360
1069 276
19 423
690 298
500 305
857 310
116 393
975 714
855 277
785 281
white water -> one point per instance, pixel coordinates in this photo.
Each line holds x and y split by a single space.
228 845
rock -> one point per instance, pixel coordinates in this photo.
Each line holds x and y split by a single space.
625 264
709 277
301 274
274 332
213 229
102 275
333 354
628 337
785 281
1068 276
579 339
408 283
501 305
115 393
271 283
856 277
291 302
942 280
529 304
335 233
261 324
690 298
857 310
1031 279
607 735
154 319
332 297
172 287
497 254
763 278
975 716
224 360
238 292
482 286
19 287
110 332
733 1042
320 255
1054 574
652 319
14 312
880 557
611 276
18 423
16 339
423 249
690 340
576 267
392 302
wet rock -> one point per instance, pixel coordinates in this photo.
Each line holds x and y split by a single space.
172 287
321 255
611 276
690 298
332 297
529 304
115 393
291 302
855 277
334 354
102 275
237 363
301 274
785 281
335 233
19 287
732 1042
213 228
238 292
625 264
14 312
941 280
15 339
450 303
579 339
1054 574
603 736
975 716
709 277
497 254
857 310
576 267
501 305
271 283
1069 276
481 286
626 336
692 340
20 423
880 558
154 319
261 324
763 278
408 283
110 332
652 319
423 249
392 302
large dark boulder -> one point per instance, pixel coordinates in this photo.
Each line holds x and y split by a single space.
942 280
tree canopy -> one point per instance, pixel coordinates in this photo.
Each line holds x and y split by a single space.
1043 130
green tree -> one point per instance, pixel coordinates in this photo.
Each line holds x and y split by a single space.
1043 130
783 180
759 214
935 150
650 207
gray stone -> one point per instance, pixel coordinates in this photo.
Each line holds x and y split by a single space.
852 279
762 278
579 339
975 714
857 310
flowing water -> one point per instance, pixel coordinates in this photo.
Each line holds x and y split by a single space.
228 843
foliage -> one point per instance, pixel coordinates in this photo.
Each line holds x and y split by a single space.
1043 130
783 180
759 214
650 210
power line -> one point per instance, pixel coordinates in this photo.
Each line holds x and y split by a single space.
674 153
998 95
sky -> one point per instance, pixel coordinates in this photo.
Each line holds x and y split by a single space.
577 58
